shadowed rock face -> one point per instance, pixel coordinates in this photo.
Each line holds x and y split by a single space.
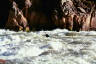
16 20
42 13
47 15
4 12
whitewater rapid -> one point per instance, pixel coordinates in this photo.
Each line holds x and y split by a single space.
58 46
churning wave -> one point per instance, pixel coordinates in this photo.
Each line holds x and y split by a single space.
58 46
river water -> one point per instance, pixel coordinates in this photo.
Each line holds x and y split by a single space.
58 46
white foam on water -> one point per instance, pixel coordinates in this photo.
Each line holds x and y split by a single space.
60 46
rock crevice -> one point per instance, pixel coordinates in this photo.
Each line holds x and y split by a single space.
50 14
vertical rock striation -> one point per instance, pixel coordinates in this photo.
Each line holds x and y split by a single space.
50 14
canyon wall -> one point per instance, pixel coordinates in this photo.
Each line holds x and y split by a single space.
29 15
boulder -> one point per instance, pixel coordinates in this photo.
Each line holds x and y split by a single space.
78 15
16 20
93 21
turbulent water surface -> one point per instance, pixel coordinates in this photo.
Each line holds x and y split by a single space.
48 47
